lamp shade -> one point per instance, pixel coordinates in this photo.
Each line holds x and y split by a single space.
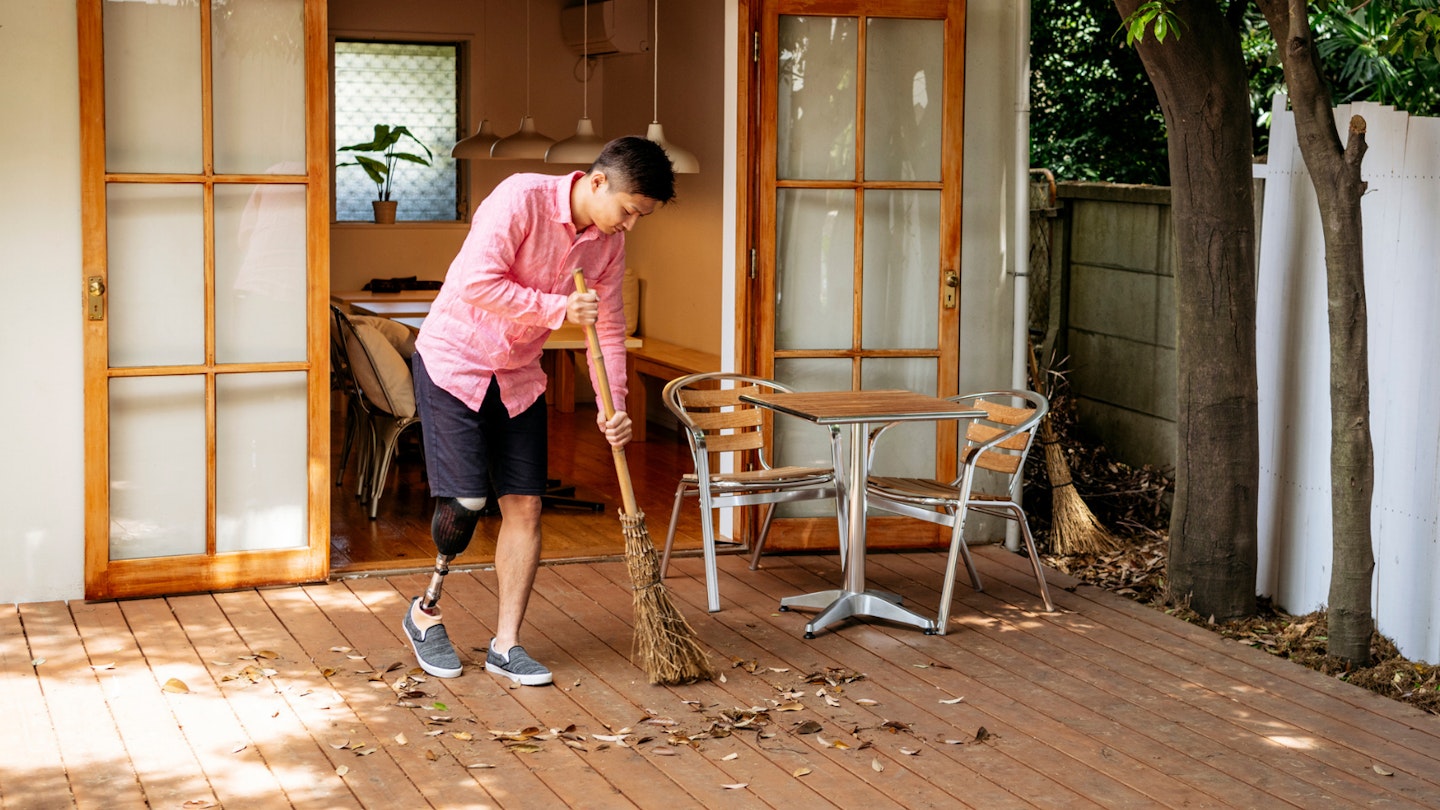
527 143
582 147
477 145
683 160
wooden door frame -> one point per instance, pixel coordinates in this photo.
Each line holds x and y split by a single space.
105 578
750 304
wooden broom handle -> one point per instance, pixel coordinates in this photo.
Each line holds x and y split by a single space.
597 363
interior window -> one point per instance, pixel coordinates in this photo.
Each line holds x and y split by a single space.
410 84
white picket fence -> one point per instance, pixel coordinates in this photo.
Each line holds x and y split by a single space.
1402 267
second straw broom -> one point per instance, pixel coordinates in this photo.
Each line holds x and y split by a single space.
664 642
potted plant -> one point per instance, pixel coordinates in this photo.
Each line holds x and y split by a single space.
382 168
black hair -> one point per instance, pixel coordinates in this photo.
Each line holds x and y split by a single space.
636 165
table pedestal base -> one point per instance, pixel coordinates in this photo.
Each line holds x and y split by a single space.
841 604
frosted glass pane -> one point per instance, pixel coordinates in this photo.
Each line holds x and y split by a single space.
902 270
259 273
261 457
398 83
258 60
152 87
156 274
816 106
157 467
798 441
908 449
815 278
904 78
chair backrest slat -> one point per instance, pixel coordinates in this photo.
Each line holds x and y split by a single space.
734 442
995 462
726 420
1004 414
979 433
715 397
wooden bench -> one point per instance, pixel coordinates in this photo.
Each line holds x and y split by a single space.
664 362
652 358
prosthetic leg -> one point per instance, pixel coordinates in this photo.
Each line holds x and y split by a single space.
452 527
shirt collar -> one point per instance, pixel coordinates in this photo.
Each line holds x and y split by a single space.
563 184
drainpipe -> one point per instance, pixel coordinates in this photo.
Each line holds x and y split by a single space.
1020 236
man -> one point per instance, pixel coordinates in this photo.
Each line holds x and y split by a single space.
479 387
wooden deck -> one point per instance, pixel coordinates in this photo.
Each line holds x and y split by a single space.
300 697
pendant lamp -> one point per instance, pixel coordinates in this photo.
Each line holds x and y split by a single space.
683 160
477 146
584 146
527 143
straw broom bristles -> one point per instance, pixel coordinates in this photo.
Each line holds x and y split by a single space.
665 643
1074 529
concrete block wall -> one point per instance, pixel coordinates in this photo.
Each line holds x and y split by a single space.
1115 256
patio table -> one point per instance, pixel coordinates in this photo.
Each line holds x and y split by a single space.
859 410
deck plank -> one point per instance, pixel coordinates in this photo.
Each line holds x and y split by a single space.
1103 703
36 769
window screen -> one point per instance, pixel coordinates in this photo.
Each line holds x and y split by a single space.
408 84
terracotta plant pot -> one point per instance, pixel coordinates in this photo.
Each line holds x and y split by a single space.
384 211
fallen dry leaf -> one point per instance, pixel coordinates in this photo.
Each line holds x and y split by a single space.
869 702
730 756
909 752
431 755
663 751
1382 770
462 735
799 772
401 739
736 786
342 770
102 667
876 766
480 765
267 654
176 686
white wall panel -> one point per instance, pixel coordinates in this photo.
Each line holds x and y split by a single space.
1400 212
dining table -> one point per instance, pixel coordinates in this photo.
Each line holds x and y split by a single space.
860 410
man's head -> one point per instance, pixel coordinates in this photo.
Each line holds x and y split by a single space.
630 179
638 166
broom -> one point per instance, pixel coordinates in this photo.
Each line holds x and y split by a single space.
1074 529
664 642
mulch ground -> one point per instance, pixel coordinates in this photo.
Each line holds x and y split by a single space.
1133 503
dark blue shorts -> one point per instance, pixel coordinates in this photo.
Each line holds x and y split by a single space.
479 455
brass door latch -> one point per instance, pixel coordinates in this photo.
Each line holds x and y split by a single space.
95 298
952 288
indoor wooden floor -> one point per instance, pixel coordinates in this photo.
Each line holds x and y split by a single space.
308 697
399 537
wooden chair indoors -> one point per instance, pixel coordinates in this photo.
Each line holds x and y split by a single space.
383 395
716 423
998 443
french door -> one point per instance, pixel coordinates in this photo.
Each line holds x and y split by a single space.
205 212
856 222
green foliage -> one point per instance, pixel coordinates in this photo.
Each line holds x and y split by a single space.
381 169
1094 115
1156 13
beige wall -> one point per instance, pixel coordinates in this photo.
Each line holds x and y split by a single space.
42 448
677 251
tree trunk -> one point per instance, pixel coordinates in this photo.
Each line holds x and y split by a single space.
1201 82
1335 172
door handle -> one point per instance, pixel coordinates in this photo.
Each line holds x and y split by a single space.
952 288
95 298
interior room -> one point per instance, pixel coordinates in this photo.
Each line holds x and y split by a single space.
550 63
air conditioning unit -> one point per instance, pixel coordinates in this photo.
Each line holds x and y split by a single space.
616 27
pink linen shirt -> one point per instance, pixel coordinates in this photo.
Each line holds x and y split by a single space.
508 288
